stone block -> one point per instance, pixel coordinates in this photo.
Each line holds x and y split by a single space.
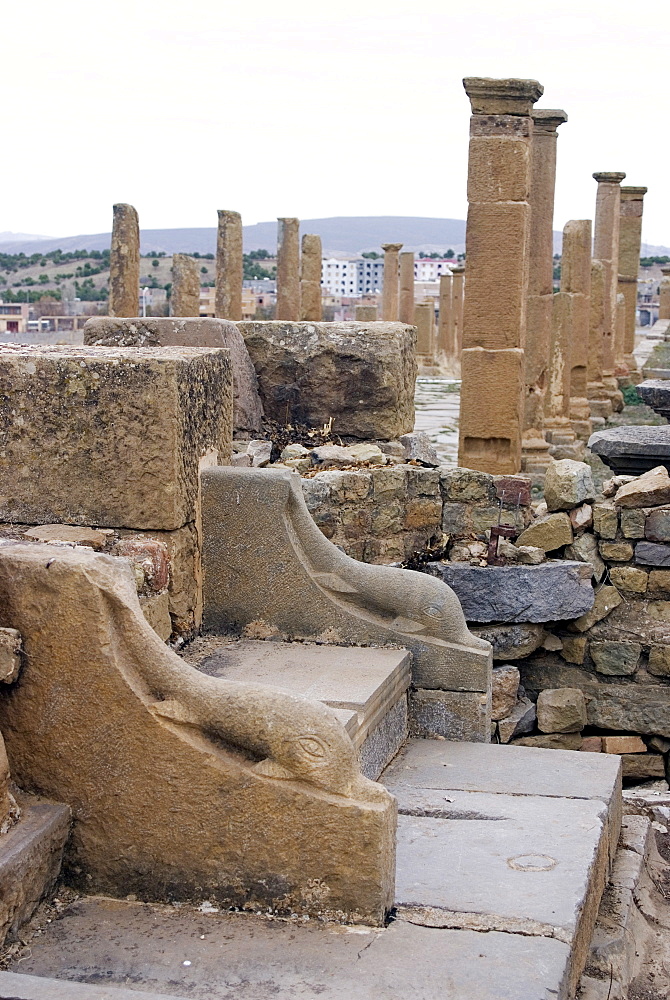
513 491
151 331
466 485
485 517
634 449
585 549
568 484
309 373
453 715
498 169
457 519
623 744
605 600
422 482
605 520
422 512
155 608
30 860
552 741
652 554
562 710
659 660
632 522
490 436
70 533
657 525
649 490
659 610
612 551
520 720
512 642
574 648
581 518
10 655
108 436
418 447
552 591
592 744
548 533
642 766
630 579
659 582
615 658
504 691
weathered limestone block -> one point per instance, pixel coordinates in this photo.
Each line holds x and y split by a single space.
552 741
548 533
288 269
642 766
310 278
504 691
574 648
623 744
657 525
424 321
632 522
615 658
568 484
521 720
490 437
464 715
183 785
553 591
585 549
365 314
124 262
229 266
185 298
75 535
630 236
419 448
360 375
256 524
659 660
629 578
390 286
562 710
206 332
606 599
581 518
512 642
467 484
616 551
605 520
110 436
406 288
649 490
659 582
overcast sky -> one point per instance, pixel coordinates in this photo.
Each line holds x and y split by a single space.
285 107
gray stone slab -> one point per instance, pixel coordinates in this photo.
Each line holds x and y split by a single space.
553 591
18 987
652 554
655 392
235 955
632 450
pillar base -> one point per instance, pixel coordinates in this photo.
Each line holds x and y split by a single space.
580 417
558 431
535 457
634 373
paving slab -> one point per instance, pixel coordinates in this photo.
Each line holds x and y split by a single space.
18 987
235 956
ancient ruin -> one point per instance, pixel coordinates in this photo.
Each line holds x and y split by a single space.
606 250
228 303
185 298
390 291
310 278
288 269
630 238
124 262
406 288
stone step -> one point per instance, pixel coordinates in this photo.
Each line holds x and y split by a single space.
366 686
491 838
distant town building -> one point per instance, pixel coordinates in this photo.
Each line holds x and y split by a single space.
356 276
13 317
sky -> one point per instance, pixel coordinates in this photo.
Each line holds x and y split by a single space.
312 109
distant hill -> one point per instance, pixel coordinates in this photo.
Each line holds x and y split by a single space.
341 234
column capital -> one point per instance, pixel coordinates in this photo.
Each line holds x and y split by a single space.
633 193
391 246
546 121
458 269
502 97
609 178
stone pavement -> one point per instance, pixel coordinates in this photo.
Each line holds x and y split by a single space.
505 840
437 402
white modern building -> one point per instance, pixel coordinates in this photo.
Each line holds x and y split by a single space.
339 276
426 269
353 276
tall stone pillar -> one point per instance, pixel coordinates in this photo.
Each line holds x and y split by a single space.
406 304
390 289
630 240
185 298
457 298
620 334
576 282
445 343
424 321
599 402
664 294
310 278
606 249
535 449
497 240
229 266
288 269
124 262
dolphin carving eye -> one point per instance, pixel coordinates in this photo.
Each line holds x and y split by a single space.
434 611
311 746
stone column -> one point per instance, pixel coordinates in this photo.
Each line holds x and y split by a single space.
445 344
535 449
664 294
606 249
630 240
365 314
620 336
310 278
390 289
124 263
229 266
406 307
599 402
576 282
457 297
424 321
288 269
185 298
497 240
